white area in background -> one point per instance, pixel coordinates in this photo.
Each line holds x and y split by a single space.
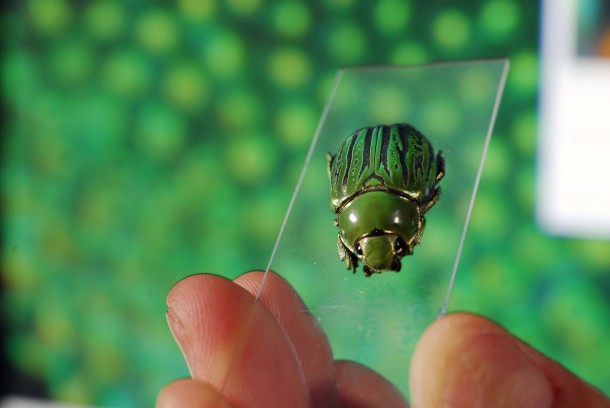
574 154
18 402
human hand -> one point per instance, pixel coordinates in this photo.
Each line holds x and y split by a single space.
283 358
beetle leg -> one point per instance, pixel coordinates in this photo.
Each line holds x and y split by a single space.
367 271
440 166
432 201
345 255
329 160
420 232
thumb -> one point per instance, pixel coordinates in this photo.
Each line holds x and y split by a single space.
463 360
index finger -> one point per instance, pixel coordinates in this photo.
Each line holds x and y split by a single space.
307 337
235 344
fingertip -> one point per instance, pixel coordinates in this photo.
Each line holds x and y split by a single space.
252 280
307 336
205 312
189 287
465 360
233 343
187 393
273 291
360 387
453 328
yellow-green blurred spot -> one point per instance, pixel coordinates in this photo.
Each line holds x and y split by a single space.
409 53
524 72
498 163
499 17
200 161
489 217
157 31
95 207
289 67
524 131
126 72
77 389
160 132
243 7
107 360
597 253
440 117
388 105
53 325
346 42
49 16
451 29
252 158
295 123
224 54
576 314
72 61
105 19
290 18
529 243
57 242
477 87
197 9
18 271
489 274
239 110
392 16
48 143
185 86
264 214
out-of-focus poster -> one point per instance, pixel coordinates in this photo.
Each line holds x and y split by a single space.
574 183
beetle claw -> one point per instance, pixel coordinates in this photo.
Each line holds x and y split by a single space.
345 255
440 166
329 163
367 271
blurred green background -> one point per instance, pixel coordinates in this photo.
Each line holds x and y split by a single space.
147 141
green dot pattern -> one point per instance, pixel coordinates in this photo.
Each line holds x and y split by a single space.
147 141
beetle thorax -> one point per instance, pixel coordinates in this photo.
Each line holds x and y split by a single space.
380 228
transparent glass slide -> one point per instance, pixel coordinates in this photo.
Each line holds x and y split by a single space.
377 320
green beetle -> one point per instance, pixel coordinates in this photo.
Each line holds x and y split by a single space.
383 180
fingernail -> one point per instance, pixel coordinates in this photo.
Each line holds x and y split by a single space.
181 334
503 374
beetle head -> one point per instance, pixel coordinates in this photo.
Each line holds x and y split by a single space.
381 252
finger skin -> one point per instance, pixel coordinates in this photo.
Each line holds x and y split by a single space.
309 340
361 387
189 393
570 390
464 360
235 344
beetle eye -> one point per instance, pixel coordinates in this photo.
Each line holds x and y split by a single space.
358 250
399 245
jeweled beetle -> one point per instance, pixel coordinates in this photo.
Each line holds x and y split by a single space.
383 180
